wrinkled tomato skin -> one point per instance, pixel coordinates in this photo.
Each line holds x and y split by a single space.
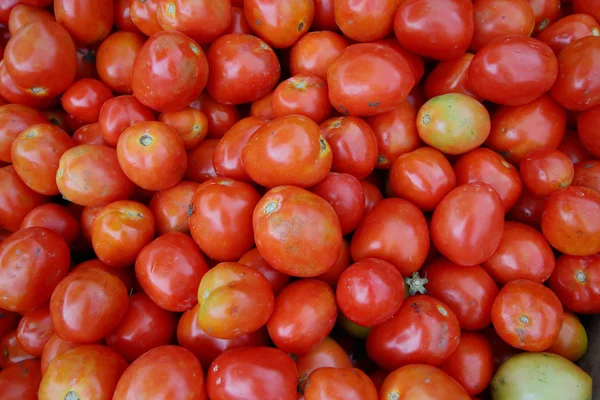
16 199
337 383
34 330
143 15
545 171
572 341
315 52
200 167
116 72
15 118
21 381
438 29
527 315
567 30
576 282
190 124
118 114
170 207
587 124
252 373
513 70
416 381
34 260
469 291
423 331
88 22
302 94
169 270
450 76
11 351
365 21
587 174
221 117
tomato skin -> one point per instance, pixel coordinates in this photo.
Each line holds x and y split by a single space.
11 93
16 199
575 150
314 52
587 132
327 354
169 270
469 291
365 21
424 330
84 99
261 108
88 22
12 352
450 76
324 19
572 340
143 15
479 211
338 384
545 171
239 23
545 12
34 330
115 72
414 61
587 174
120 113
190 124
423 28
8 320
302 94
254 260
21 381
170 207
252 373
368 79
497 75
567 30
414 382
55 347
5 9
200 166
23 14
122 17
576 282
221 117
332 275
14 119
582 6
34 260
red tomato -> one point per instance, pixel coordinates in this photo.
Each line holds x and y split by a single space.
261 108
11 93
14 119
35 329
572 341
326 354
118 114
302 94
87 22
190 124
413 382
545 12
498 18
143 15
16 199
169 270
116 71
423 331
122 17
5 9
252 373
55 347
21 381
527 315
314 52
567 30
574 149
23 14
372 195
239 23
415 62
332 275
254 260
169 72
587 124
468 291
57 117
368 79
576 282
88 214
586 7
8 321
324 16
34 260
171 207
587 174
365 21
440 29
221 117
328 383
545 171
450 76
200 166
11 351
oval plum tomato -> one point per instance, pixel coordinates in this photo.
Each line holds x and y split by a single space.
36 153
15 118
171 206
572 341
413 382
467 225
587 173
243 69
88 22
546 170
304 314
21 381
394 231
261 108
252 373
577 87
239 23
365 21
468 291
221 117
450 76
169 270
35 329
513 70
87 305
527 315
567 30
120 113
23 14
332 275
314 52
370 292
472 364
571 221
11 351
576 282
190 124
254 260
280 24
120 231
123 21
368 79
339 384
16 199
152 155
41 58
324 19
227 158
423 331
169 72
438 29
234 300
143 15
453 123
498 18
203 21
32 262
116 72
200 167
545 12
297 232
327 354
302 94
587 125
308 155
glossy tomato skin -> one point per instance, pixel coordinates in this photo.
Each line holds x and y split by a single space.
12 352
122 17
190 124
365 21
368 79
14 118
327 354
572 340
16 199
116 72
33 260
587 132
576 282
393 344
450 76
302 94
332 275
21 381
527 315
221 117
169 72
415 62
587 174
143 15
261 108
324 16
572 147
314 52
252 373
582 6
256 70
169 270
170 207
567 30
338 383
169 372
200 166
22 14
88 22
55 347
34 330
423 28
469 291
254 260
11 93
545 171
118 114
414 382
239 23
496 74
545 12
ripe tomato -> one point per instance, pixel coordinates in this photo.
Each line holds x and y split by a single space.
32 262
88 22
327 354
302 94
12 352
143 15
190 124
368 79
545 171
21 381
314 52
14 119
200 167
332 275
8 321
23 14
545 12
11 93
339 384
414 61
122 17
587 174
372 195
239 23
89 134
34 330
582 6
576 282
587 130
116 72
261 108
221 117
170 207
324 16
572 147
567 30
572 341
450 76
16 199
423 331
418 381
118 114
254 260
54 347
365 21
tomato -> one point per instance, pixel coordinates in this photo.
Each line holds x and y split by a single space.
424 330
372 195
190 124
497 18
12 352
243 69
545 171
567 30
122 17
413 382
368 79
239 23
14 119
574 149
200 166
87 23
468 291
472 363
572 341
332 275
23 14
152 155
8 321
254 260
302 94
545 12
314 52
587 132
120 113
170 207
327 354
16 199
577 88
365 21
576 282
169 270
143 15
582 6
450 76
41 58
324 18
587 174
339 383
261 108
415 62
116 72
87 217
32 262
54 347
221 117
437 29
89 134
34 330
21 381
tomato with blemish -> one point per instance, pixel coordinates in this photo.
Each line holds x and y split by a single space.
190 124
120 113
576 282
365 21
143 15
171 207
200 166
221 117
116 71
545 171
545 13
11 93
21 381
567 30
314 52
572 341
34 330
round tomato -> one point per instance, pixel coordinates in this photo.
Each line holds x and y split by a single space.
34 330
545 171
587 174
498 18
576 282
365 21
203 21
23 14
450 76
221 117
587 130
572 341
15 118
16 199
413 382
55 347
327 354
118 114
328 383
21 381
56 218
143 15
116 71
567 30
190 124
171 207
87 22
302 94
314 52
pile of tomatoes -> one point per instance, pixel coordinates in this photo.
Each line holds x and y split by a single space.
298 199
